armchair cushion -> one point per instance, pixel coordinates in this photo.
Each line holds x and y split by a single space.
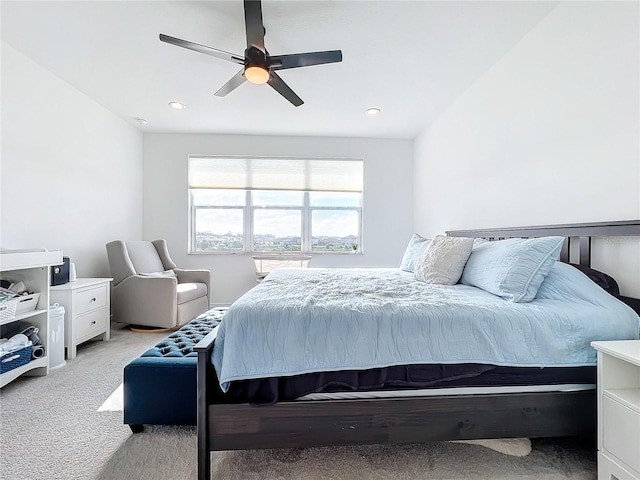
191 291
144 257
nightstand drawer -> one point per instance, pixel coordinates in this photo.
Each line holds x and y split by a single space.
620 432
90 299
91 324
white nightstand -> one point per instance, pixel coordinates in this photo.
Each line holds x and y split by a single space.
618 409
87 310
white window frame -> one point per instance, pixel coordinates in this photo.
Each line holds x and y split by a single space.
248 224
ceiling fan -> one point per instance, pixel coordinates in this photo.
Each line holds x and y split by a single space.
259 66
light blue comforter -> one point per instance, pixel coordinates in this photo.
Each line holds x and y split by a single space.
309 320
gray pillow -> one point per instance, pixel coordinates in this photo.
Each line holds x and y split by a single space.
443 261
415 249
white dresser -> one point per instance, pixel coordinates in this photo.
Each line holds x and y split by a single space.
87 305
618 409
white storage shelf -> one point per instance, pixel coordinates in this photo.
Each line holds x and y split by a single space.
22 316
32 268
618 410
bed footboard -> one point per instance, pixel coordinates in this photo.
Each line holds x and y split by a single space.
204 349
402 420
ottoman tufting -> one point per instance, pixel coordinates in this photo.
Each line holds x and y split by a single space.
160 385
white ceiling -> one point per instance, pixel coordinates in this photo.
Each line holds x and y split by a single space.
411 59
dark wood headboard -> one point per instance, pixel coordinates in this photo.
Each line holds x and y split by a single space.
584 232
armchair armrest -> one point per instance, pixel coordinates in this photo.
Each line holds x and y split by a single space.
195 276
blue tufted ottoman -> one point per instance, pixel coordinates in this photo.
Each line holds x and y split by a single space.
160 385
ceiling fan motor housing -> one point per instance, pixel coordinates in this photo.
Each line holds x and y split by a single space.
254 57
259 66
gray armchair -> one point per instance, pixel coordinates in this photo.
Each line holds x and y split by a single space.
149 290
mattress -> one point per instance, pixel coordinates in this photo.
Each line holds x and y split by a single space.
431 392
301 321
569 387
403 380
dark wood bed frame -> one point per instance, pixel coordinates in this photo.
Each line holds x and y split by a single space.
411 419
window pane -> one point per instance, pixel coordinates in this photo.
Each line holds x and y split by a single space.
334 199
219 229
277 230
334 230
275 198
221 198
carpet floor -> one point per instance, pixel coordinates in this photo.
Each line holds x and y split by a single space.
68 426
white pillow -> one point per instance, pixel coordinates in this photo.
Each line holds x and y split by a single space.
413 252
443 261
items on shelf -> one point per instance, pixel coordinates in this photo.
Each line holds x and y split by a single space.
15 299
60 273
17 349
14 343
16 359
10 290
18 335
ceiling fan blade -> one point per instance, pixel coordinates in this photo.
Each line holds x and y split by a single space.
283 89
237 80
214 52
253 23
280 62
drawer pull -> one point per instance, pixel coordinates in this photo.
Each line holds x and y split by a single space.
93 299
93 323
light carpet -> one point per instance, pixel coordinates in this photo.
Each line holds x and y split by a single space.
68 425
173 451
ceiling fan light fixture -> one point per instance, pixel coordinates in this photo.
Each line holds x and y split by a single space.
256 75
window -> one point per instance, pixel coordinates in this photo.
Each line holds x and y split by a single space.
275 205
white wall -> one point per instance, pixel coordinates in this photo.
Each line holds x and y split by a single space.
71 171
387 209
550 134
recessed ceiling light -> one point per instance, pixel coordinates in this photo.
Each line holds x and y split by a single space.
177 105
373 111
140 120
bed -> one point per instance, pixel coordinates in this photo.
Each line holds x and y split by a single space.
445 411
